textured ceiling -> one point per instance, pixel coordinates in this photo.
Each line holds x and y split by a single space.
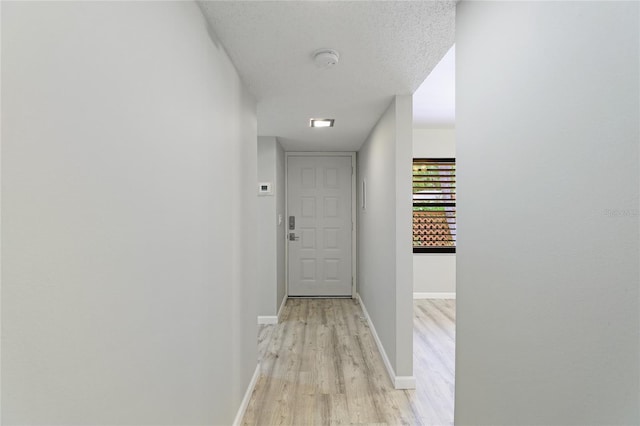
386 48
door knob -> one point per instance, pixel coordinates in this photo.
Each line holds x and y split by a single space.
292 237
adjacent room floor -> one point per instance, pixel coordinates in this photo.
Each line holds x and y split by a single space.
321 366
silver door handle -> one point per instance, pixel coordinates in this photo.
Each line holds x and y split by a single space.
292 237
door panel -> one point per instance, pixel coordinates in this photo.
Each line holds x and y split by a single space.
319 196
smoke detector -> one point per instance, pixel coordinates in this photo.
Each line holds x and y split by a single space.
326 58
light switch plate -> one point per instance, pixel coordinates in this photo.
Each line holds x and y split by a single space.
265 188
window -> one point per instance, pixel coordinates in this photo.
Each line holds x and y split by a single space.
434 205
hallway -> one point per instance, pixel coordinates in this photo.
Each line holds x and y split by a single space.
320 366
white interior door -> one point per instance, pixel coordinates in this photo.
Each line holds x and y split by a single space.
319 225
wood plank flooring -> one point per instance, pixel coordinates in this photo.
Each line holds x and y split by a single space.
321 366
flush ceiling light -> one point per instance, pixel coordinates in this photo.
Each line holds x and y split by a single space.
321 122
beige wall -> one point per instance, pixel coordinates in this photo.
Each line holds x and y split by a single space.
128 213
434 274
384 232
271 259
547 133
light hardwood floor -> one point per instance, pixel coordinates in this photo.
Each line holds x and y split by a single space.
321 366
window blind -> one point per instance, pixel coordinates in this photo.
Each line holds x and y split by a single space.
434 205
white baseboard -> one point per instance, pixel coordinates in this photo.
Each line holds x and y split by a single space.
272 319
399 382
247 397
434 295
267 319
405 382
284 301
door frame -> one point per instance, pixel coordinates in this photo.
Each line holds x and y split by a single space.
354 216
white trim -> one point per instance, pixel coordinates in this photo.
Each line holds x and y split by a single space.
434 295
399 382
354 225
319 153
354 211
286 225
383 353
284 301
267 319
247 397
272 319
405 382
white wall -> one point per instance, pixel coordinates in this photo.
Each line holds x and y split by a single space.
384 232
434 272
270 232
128 209
434 143
547 131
